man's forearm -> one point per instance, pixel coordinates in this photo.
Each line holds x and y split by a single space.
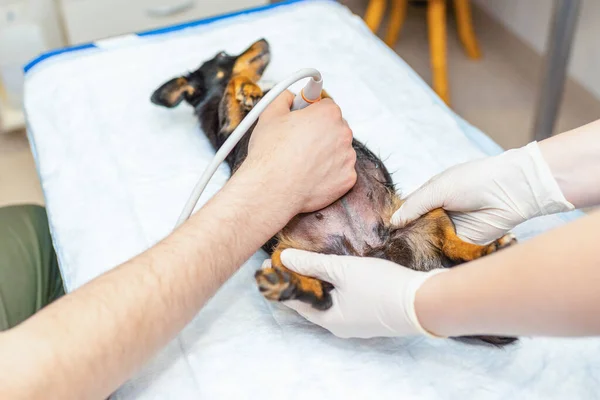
83 345
546 286
574 159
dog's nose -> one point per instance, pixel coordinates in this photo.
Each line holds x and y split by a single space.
263 44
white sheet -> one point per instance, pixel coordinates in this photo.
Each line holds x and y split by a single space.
116 171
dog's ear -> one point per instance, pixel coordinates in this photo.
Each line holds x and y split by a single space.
173 92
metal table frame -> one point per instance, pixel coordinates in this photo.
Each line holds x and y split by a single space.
558 51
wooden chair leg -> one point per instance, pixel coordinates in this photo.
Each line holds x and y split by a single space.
466 32
397 16
374 14
436 21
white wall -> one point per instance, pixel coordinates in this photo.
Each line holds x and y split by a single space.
530 20
42 12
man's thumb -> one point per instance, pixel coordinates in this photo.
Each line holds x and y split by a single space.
280 106
310 264
417 204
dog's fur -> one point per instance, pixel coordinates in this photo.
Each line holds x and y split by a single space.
222 91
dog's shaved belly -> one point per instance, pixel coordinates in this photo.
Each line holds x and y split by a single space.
352 224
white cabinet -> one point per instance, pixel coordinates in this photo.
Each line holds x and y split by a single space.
89 20
27 27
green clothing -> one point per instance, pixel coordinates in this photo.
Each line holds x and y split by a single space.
29 274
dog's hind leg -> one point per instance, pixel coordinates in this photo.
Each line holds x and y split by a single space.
456 249
279 284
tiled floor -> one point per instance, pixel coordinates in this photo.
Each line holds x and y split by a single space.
497 94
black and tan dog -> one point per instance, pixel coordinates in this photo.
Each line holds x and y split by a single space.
222 91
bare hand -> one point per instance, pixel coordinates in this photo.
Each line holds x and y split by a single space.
305 155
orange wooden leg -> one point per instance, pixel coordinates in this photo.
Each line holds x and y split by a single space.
374 14
3 94
466 32
436 21
397 16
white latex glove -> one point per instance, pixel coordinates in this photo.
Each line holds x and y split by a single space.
372 297
486 198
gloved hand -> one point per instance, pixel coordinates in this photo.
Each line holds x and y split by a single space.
372 297
486 198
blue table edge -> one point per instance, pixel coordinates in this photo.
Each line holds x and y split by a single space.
159 31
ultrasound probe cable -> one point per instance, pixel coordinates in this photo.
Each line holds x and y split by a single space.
310 94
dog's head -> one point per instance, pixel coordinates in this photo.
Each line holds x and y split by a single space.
213 76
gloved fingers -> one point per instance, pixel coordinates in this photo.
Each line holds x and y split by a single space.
481 227
312 265
473 227
320 266
306 310
417 204
328 319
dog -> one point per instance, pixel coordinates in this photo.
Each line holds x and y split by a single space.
222 92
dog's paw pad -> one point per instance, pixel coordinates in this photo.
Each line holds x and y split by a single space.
275 284
506 241
249 95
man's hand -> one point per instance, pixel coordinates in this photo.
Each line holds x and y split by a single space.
487 198
372 297
308 153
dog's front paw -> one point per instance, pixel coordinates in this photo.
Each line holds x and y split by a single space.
248 95
505 241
